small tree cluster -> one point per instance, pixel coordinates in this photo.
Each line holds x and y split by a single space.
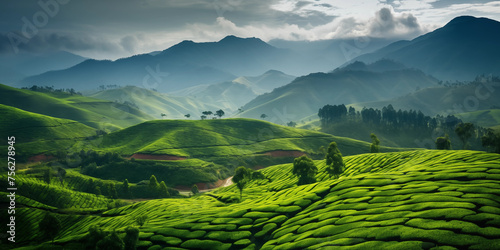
334 161
304 168
374 147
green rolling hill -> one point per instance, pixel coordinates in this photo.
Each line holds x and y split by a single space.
154 103
403 200
96 113
221 138
37 134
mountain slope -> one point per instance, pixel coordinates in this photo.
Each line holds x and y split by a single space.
461 50
183 65
36 134
93 112
154 103
306 94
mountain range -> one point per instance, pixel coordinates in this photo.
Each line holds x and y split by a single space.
461 50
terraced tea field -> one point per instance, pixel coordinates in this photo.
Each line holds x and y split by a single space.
406 200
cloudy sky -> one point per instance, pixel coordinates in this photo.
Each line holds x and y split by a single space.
109 29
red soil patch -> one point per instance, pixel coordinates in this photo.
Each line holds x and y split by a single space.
157 157
283 153
40 157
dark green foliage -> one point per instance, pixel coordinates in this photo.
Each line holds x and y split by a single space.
94 235
291 124
97 190
47 175
464 132
491 140
131 238
335 163
110 242
163 190
443 143
241 177
126 188
141 219
61 173
257 175
194 189
113 194
305 170
50 226
153 184
219 113
374 147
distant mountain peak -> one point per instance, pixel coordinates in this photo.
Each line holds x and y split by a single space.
232 38
462 20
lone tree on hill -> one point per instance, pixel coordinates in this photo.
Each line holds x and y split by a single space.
374 147
203 117
207 113
304 168
187 115
491 140
153 185
163 190
50 226
241 177
464 132
291 124
163 115
194 189
263 116
334 160
220 113
443 143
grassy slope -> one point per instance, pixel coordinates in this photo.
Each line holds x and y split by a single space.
89 111
404 200
224 137
154 103
37 133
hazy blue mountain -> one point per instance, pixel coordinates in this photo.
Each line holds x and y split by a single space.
231 95
306 94
14 67
183 65
333 53
461 50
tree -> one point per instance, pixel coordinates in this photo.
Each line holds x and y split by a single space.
112 191
194 189
203 117
334 160
131 237
207 113
163 115
491 140
464 132
61 173
374 147
263 116
305 170
153 184
187 115
50 226
241 177
141 219
163 190
125 188
94 235
291 124
111 242
443 143
47 175
220 113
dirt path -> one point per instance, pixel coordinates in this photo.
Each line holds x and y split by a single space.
221 183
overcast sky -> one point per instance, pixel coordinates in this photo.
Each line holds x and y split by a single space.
109 29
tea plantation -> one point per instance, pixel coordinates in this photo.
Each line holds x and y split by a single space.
404 200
